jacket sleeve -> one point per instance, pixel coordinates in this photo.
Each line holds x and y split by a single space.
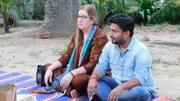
64 58
100 39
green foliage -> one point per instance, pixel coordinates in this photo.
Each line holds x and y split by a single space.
35 11
10 10
38 12
147 8
102 9
36 15
169 13
118 6
142 10
83 2
107 8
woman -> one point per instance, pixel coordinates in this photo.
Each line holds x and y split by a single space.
87 44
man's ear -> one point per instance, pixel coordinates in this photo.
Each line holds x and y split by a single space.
127 33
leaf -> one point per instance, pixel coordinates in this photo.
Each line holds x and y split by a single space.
148 18
148 11
142 14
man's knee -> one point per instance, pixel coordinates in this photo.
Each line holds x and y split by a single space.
139 90
140 93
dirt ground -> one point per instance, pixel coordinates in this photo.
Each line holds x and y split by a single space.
24 54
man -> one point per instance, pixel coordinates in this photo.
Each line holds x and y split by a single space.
129 61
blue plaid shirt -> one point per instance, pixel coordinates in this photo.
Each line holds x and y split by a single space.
135 62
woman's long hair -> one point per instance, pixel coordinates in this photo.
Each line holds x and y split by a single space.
92 13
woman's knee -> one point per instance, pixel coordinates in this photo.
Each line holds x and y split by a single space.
80 80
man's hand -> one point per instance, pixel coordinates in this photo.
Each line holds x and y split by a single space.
66 80
92 85
115 94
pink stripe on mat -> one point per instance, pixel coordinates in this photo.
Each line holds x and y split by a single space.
18 83
25 88
15 77
5 73
50 98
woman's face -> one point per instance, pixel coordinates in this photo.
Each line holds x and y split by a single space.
84 21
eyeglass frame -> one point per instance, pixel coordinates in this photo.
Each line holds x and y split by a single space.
83 17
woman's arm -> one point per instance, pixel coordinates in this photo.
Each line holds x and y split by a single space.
100 39
64 59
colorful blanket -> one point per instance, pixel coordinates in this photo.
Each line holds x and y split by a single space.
25 84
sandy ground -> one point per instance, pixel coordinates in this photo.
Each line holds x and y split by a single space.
24 54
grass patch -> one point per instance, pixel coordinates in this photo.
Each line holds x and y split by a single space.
156 61
178 98
1 66
13 66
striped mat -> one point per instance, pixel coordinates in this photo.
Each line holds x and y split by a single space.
25 84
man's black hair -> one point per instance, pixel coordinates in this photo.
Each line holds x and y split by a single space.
125 22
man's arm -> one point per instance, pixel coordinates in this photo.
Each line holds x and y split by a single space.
97 74
116 92
133 82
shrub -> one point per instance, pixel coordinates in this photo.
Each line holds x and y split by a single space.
169 13
106 8
143 11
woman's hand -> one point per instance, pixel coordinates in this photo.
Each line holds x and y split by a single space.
66 80
48 77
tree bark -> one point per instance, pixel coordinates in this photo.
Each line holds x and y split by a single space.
60 16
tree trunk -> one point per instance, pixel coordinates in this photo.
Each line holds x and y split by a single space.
60 16
6 23
6 26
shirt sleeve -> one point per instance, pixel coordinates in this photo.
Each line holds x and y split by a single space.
104 60
142 67
67 54
96 49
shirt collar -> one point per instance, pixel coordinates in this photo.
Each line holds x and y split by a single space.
131 44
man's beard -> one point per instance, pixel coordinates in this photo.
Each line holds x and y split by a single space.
120 42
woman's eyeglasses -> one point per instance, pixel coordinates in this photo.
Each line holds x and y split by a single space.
83 17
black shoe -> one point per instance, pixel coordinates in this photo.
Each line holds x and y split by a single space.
96 98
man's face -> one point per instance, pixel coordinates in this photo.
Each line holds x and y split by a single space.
116 34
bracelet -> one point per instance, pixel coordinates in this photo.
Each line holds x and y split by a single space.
72 74
93 77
